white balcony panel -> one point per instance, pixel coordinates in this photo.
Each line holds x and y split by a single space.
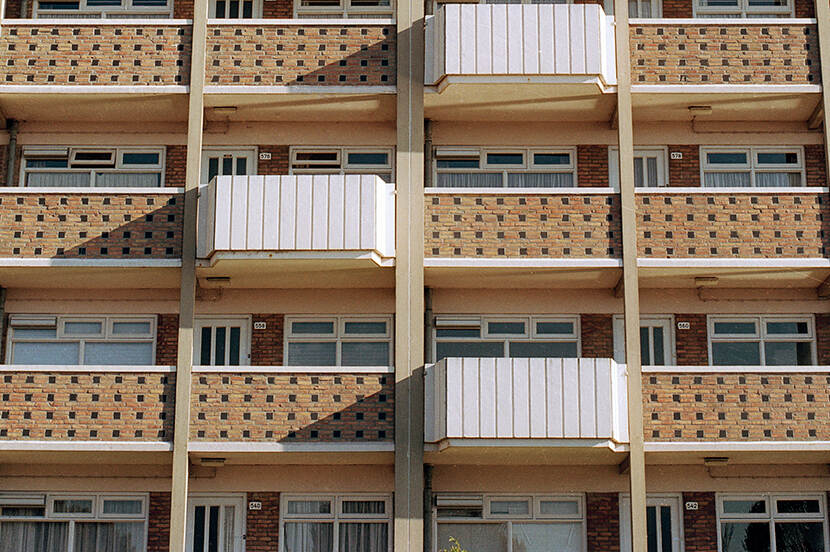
297 213
553 398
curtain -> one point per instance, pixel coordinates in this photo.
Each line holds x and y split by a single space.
542 537
34 536
58 179
66 352
309 507
313 353
309 537
364 353
127 180
364 537
122 507
469 180
777 179
109 537
475 537
726 179
540 180
128 353
364 507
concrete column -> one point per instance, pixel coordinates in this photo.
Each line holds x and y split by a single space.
184 360
823 17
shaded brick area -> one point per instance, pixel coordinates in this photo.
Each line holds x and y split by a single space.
691 346
277 165
700 527
602 519
677 9
597 336
592 165
158 523
736 407
684 172
174 166
278 9
538 225
292 407
183 9
89 53
805 9
823 339
724 54
814 165
91 406
262 526
267 344
301 54
733 225
167 339
100 225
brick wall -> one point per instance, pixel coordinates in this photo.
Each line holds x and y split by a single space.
266 345
516 226
87 406
814 165
158 523
175 166
262 526
293 407
823 339
805 9
271 55
685 172
183 9
13 8
742 224
4 159
736 407
691 346
95 54
677 8
602 520
278 164
80 225
167 339
592 165
700 527
278 9
743 53
597 336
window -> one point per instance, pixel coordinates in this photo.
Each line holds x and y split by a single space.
339 341
650 170
82 523
493 523
350 9
221 342
743 8
772 523
82 340
103 8
357 523
507 337
343 161
504 168
761 341
221 162
752 167
235 9
70 167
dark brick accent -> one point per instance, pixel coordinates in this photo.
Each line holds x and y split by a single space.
266 345
823 339
592 164
167 339
691 344
175 165
158 529
262 526
805 9
597 336
677 8
278 164
182 9
814 164
700 527
603 522
685 172
280 9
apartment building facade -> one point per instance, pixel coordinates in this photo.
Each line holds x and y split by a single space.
364 275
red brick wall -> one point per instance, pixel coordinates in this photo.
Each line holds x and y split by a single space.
700 527
602 520
592 165
183 9
266 345
175 166
691 345
823 339
279 9
4 158
685 172
262 527
278 164
677 8
167 339
814 164
158 523
805 8
597 336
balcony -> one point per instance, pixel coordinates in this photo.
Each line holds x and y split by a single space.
332 229
519 61
560 410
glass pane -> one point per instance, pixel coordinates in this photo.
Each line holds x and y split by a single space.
555 328
665 529
788 328
140 159
509 507
798 506
778 158
22 511
127 180
370 328
368 158
744 507
458 332
778 353
213 162
199 529
735 354
799 537
540 180
204 354
309 537
505 159
72 506
316 328
364 507
228 528
109 537
364 353
531 349
552 158
364 537
58 179
233 347
248 10
35 333
241 166
470 180
227 162
45 353
651 162
47 163
544 537
133 354
745 537
460 512
309 507
735 328
220 333
639 174
233 11
651 528
726 158
122 507
512 328
559 507
34 536
474 537
213 530
83 328
658 342
469 163
726 179
777 179
469 349
312 353
645 350
131 328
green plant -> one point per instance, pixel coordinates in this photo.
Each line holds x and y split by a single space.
455 546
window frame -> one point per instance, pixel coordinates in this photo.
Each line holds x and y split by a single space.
639 151
70 152
339 335
528 165
200 322
752 166
105 12
256 12
343 161
344 10
761 336
742 10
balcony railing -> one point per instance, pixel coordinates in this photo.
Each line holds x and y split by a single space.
554 398
320 213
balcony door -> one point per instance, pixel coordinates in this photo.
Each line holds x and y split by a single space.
656 343
662 524
220 342
226 162
215 524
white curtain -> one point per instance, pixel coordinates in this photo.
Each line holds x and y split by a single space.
309 537
777 179
475 537
312 353
127 353
364 353
540 180
726 179
469 180
127 180
58 179
542 537
33 536
364 537
109 537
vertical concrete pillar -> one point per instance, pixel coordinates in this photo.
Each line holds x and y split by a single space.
823 18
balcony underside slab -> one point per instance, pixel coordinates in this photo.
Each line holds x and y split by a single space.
763 453
93 275
72 452
743 273
521 276
293 453
525 452
312 104
95 105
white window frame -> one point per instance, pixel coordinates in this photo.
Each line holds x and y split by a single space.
343 160
256 11
237 500
742 10
119 167
527 165
673 500
662 165
85 11
218 320
250 153
344 10
482 321
752 166
58 322
336 517
339 335
656 9
761 336
771 517
662 319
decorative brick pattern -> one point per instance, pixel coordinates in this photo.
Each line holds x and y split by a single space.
516 226
814 165
685 172
262 526
736 407
293 407
92 226
602 520
266 345
92 54
174 166
271 55
724 54
700 527
823 339
277 165
167 339
597 336
746 225
158 523
87 406
592 165
692 346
